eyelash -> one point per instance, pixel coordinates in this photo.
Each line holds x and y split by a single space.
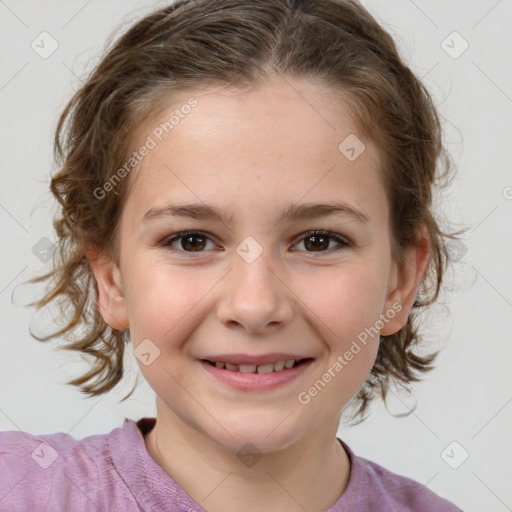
333 236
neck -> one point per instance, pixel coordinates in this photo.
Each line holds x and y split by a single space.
310 474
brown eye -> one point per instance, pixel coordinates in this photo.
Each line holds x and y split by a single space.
319 241
316 242
189 241
193 242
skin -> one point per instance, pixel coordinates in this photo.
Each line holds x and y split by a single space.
252 153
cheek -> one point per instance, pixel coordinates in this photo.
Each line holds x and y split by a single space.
161 299
346 305
345 300
165 307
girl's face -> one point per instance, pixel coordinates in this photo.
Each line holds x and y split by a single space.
254 286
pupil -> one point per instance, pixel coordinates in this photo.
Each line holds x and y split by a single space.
190 240
320 241
315 242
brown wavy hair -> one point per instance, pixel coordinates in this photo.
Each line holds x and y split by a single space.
190 44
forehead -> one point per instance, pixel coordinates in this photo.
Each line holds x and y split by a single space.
258 147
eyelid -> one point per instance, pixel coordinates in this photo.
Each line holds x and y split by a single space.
330 234
182 234
343 241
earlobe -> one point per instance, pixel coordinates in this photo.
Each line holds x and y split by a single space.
111 299
406 282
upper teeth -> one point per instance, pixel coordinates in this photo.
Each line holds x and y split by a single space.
252 368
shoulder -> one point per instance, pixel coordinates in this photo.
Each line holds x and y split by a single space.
381 489
51 471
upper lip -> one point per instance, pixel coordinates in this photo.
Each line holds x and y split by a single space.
253 359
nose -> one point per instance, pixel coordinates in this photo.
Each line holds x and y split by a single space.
255 298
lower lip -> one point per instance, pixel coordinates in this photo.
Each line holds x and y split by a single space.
256 381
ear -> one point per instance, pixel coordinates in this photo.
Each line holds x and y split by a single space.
405 281
111 300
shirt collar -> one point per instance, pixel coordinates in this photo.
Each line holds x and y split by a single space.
155 490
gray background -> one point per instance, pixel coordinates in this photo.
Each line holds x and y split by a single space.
466 400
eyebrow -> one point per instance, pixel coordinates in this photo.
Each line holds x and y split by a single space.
292 212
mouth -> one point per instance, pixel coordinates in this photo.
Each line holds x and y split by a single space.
277 366
255 374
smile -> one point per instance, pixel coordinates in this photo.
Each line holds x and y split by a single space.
278 366
256 377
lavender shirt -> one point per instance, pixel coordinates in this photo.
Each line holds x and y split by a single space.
115 472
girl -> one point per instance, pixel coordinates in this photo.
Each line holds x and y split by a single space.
245 191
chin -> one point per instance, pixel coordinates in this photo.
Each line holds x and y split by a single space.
268 435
